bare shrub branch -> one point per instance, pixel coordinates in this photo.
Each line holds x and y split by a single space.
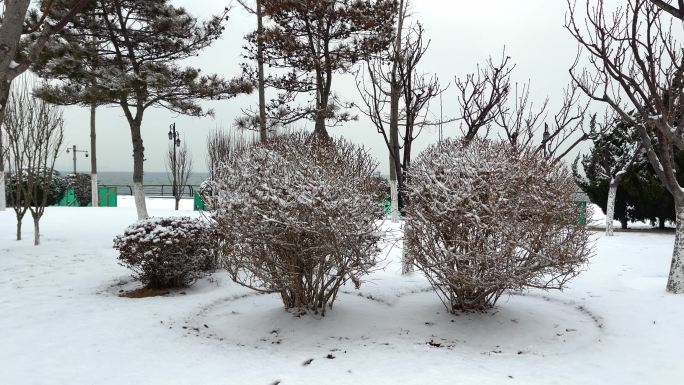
486 218
299 218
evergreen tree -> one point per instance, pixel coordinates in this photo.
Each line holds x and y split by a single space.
650 199
137 46
640 195
614 154
20 44
308 42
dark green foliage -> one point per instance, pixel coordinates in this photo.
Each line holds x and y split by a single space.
126 51
54 194
640 195
310 42
652 202
81 185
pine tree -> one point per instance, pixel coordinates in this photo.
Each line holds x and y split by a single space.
308 42
612 157
139 45
650 199
640 195
20 44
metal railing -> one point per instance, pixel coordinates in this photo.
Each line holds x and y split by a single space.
157 190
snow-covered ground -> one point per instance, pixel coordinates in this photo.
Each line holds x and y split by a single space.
62 322
598 220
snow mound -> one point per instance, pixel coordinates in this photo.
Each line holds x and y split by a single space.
533 325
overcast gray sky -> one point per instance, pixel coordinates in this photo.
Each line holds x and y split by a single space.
463 33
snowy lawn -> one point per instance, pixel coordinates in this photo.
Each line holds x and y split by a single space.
62 321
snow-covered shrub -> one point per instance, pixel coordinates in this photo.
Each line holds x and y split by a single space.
485 219
299 217
206 190
165 252
82 187
58 186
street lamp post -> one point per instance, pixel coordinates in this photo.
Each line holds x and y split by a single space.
174 137
75 151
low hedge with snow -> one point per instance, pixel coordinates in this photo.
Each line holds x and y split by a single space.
166 252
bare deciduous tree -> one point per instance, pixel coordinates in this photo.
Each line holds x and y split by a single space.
522 124
18 50
676 11
35 133
396 97
490 103
179 166
636 68
480 94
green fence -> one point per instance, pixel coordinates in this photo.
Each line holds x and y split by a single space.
69 199
107 196
199 203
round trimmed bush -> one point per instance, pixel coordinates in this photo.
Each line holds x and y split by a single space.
484 218
299 218
165 252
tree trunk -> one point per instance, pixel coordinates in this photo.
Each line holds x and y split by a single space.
177 201
675 282
610 207
623 223
93 160
661 223
19 220
36 231
319 130
14 14
395 95
406 257
3 202
260 64
394 193
4 97
138 159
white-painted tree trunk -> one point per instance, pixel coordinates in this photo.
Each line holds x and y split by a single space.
139 196
36 232
3 202
610 207
675 282
94 190
394 193
406 257
95 200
